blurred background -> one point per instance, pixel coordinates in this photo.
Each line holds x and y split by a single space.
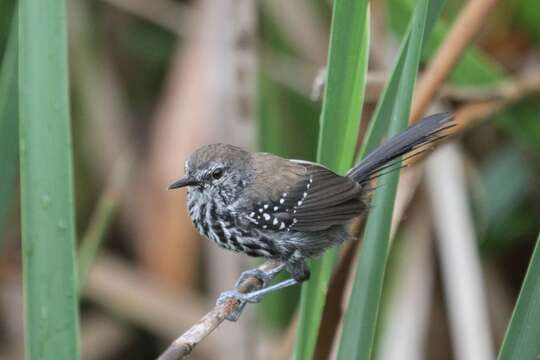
150 81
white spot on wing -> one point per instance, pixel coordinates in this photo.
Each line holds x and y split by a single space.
276 208
275 222
250 218
266 216
281 201
282 226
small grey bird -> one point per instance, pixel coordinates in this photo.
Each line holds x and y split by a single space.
264 205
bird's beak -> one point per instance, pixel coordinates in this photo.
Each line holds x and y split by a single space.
185 181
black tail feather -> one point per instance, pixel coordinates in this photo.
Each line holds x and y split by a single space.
427 131
397 164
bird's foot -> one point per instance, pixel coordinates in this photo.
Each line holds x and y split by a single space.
242 298
265 277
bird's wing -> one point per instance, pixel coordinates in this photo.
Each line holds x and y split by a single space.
302 196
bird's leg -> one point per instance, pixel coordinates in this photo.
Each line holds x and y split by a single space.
258 295
265 277
252 297
296 266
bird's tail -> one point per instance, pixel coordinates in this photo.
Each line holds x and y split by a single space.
427 131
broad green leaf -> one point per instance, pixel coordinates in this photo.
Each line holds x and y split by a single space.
340 120
47 200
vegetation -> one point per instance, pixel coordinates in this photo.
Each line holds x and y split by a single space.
108 257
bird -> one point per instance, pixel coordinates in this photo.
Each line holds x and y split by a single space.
287 210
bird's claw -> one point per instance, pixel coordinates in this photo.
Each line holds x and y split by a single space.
242 298
253 297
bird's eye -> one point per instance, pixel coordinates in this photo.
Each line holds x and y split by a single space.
217 173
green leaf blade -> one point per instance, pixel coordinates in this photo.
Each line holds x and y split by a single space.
344 92
360 321
47 196
340 121
521 339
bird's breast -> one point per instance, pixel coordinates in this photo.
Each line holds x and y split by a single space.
219 224
224 226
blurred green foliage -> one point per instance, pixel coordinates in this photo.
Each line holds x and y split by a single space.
504 199
288 123
520 121
9 130
509 177
474 68
528 17
7 8
142 53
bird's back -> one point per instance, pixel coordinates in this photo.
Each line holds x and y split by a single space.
290 195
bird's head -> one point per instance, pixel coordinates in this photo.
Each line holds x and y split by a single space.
219 171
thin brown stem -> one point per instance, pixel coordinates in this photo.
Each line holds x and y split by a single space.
185 343
463 32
